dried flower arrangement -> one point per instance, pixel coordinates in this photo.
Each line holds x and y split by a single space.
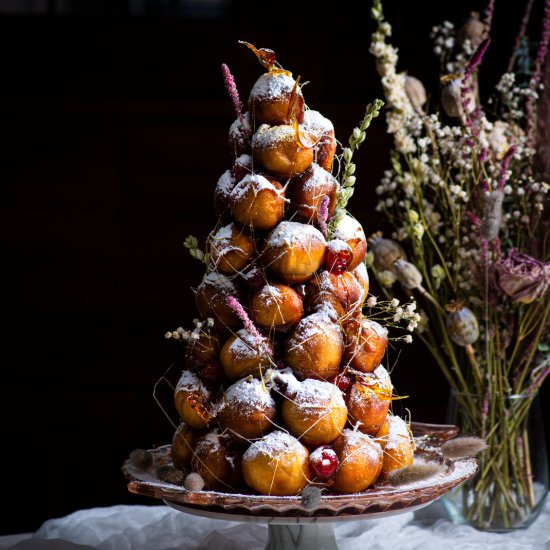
466 204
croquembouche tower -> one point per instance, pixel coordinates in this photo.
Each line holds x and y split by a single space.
284 386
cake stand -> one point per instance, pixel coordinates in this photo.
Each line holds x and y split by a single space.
292 526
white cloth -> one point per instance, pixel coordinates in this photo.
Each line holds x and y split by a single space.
163 528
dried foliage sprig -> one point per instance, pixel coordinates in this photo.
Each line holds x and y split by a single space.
192 244
347 178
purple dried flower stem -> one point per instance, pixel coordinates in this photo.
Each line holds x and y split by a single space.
488 15
504 167
537 73
521 34
231 89
473 219
537 382
475 60
236 306
322 216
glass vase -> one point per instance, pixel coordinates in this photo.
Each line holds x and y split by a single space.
509 490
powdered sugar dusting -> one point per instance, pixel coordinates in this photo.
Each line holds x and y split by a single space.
244 160
284 381
252 181
311 326
362 445
220 281
239 131
269 136
270 295
384 377
398 432
225 185
318 178
224 233
249 392
348 228
327 310
245 346
190 382
337 245
316 393
274 444
272 86
294 233
369 324
315 122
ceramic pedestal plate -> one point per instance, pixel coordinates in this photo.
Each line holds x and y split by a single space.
291 525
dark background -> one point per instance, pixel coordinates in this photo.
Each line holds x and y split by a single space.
114 124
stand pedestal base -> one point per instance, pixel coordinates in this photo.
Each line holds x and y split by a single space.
306 536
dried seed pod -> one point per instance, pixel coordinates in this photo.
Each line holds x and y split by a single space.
473 30
407 274
454 104
492 214
415 92
385 251
462 324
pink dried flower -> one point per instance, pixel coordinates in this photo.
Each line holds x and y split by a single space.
537 73
231 88
236 306
522 277
488 15
322 216
473 219
475 60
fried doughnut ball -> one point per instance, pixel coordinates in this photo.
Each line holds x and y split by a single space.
231 248
203 350
277 464
258 202
211 300
398 445
307 191
341 291
270 98
323 130
183 443
216 461
365 342
192 401
240 133
242 167
362 276
223 189
316 413
242 355
248 409
294 251
360 461
350 231
314 348
280 151
276 306
369 400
